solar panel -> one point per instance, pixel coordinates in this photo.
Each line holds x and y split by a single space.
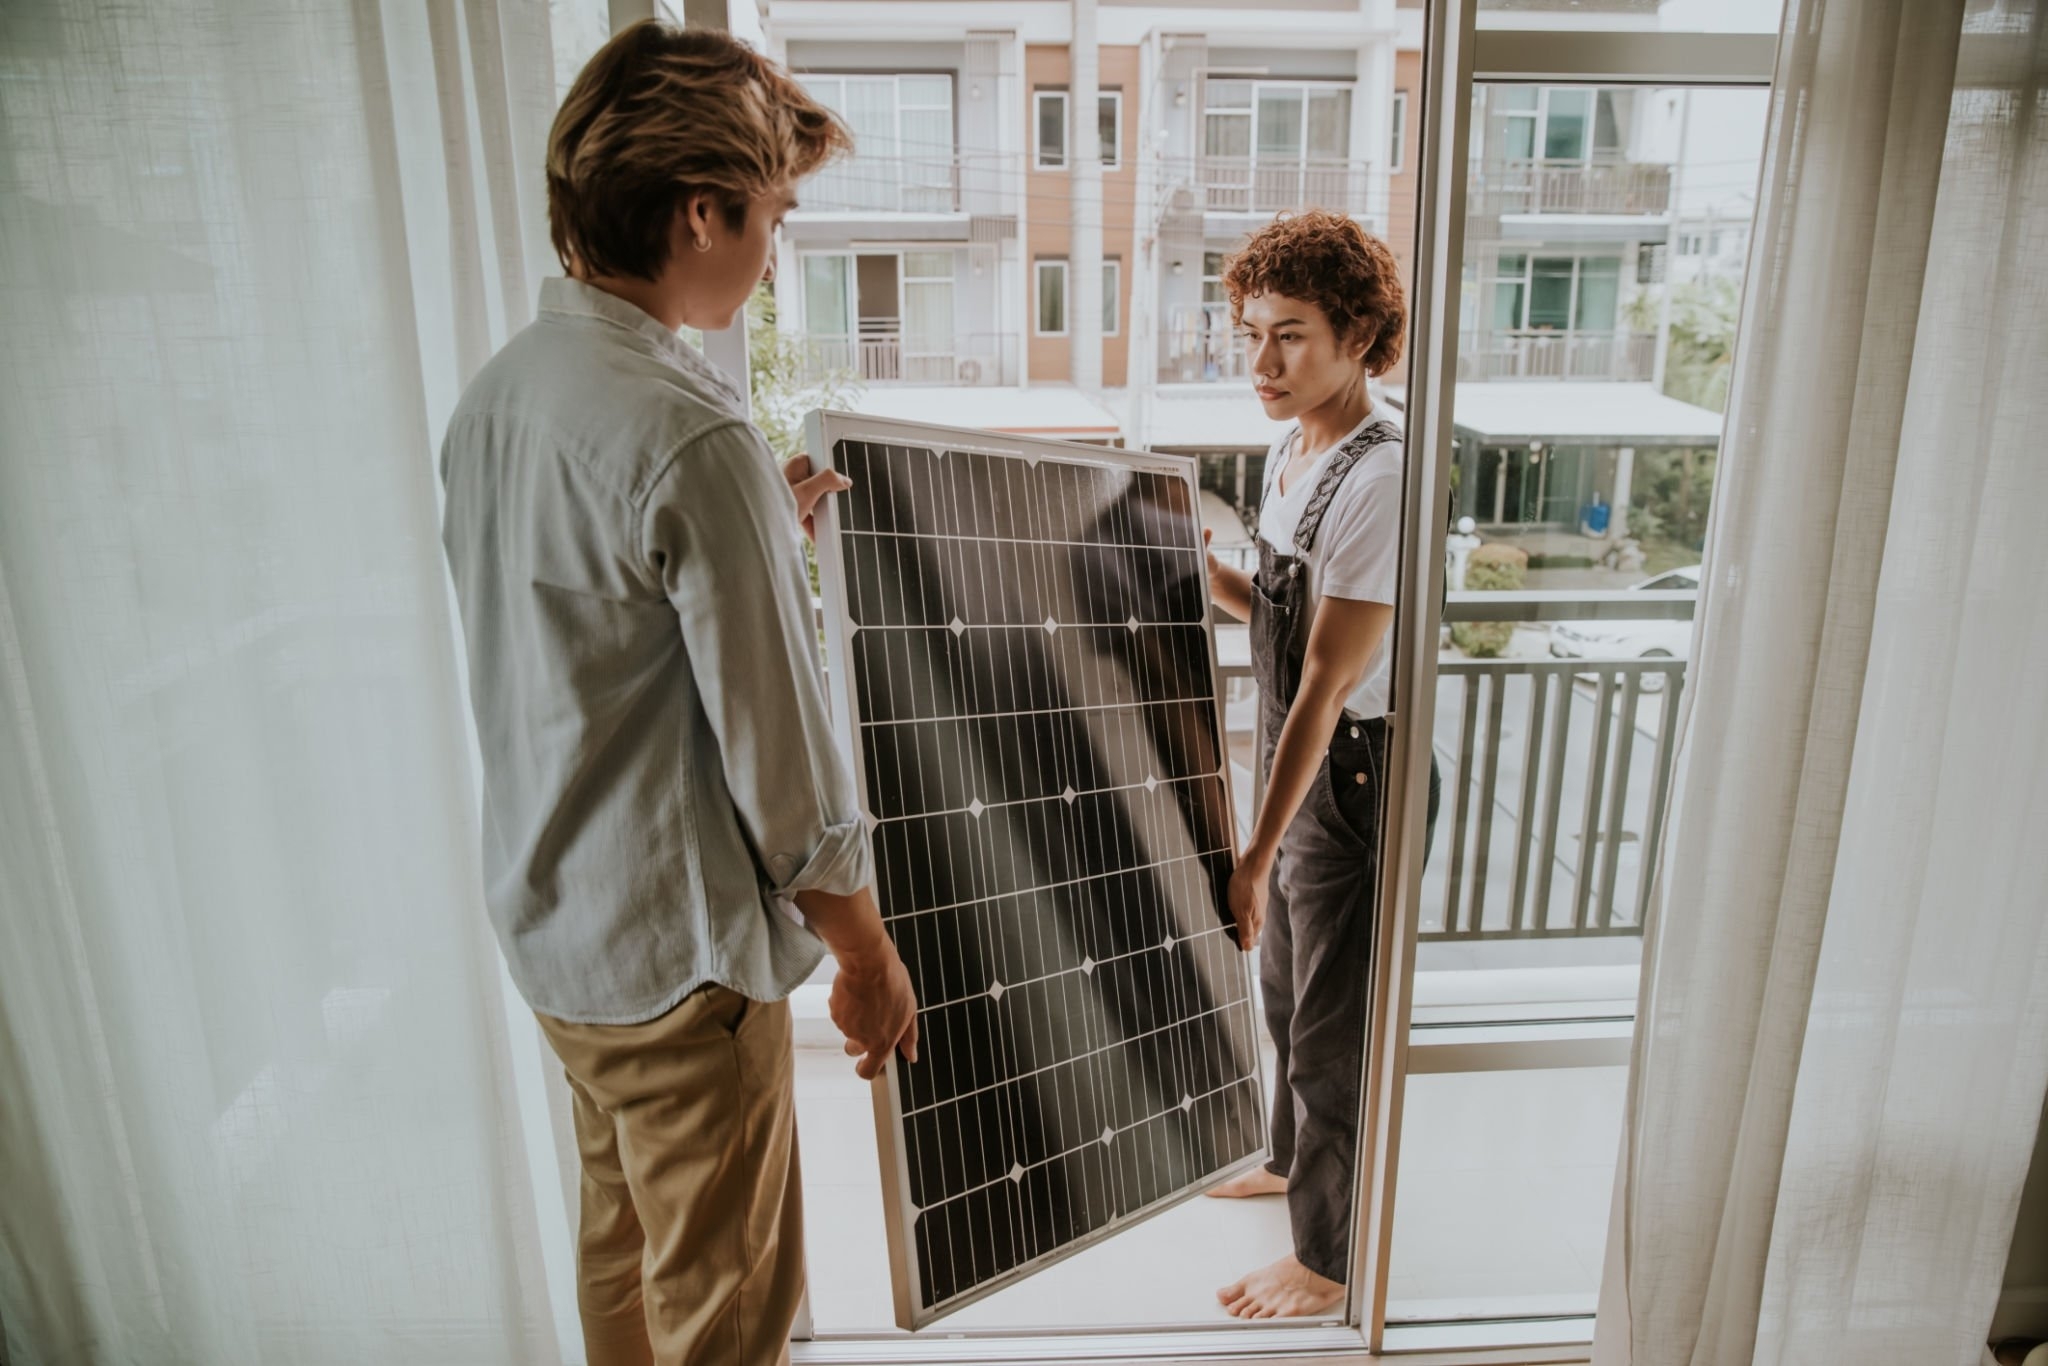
1021 665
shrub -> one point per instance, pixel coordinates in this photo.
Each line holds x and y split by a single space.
1492 569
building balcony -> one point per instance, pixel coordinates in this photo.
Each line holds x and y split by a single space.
891 357
1538 353
1607 188
948 182
1269 185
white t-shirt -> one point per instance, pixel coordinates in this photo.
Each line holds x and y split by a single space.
1357 550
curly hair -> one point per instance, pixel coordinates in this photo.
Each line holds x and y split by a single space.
1328 260
658 115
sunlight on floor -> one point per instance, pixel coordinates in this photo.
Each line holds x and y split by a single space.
1503 1210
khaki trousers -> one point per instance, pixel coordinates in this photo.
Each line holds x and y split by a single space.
691 1246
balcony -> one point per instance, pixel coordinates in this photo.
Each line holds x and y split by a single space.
1269 185
1624 188
888 357
1199 345
1540 353
949 182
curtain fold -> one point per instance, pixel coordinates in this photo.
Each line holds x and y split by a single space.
1843 1038
255 1092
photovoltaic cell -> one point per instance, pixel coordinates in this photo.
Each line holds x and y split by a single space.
1021 655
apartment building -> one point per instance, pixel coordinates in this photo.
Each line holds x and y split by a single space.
1032 233
1044 194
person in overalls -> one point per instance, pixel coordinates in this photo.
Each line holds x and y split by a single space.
1320 306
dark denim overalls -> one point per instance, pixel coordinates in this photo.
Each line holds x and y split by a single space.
1316 951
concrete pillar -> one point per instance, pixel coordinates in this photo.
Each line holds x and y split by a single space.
1624 478
1084 156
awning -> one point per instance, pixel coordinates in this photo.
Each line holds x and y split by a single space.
1051 410
1208 419
1582 413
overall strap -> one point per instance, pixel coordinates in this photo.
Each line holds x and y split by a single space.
1354 450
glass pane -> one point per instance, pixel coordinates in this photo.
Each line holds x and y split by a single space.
1634 16
1280 123
826 308
1550 293
1106 126
926 90
1609 118
1564 131
1507 304
1227 135
927 136
1506 1174
1052 129
1109 297
927 317
1229 95
1052 296
928 265
1599 293
1518 137
1329 124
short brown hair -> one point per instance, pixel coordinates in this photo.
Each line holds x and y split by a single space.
1334 264
660 114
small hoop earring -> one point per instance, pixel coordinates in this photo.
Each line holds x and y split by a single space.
703 244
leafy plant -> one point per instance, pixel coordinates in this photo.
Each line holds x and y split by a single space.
1492 569
783 381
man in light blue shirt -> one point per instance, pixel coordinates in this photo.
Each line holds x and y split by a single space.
671 840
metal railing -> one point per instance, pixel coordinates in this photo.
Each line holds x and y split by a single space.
1275 184
969 359
1201 346
929 182
1558 777
1534 353
1635 188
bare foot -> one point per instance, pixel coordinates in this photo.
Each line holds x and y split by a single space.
1257 1181
1284 1290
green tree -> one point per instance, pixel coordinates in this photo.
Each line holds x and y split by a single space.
785 385
1702 341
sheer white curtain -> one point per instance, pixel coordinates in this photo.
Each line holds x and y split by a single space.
1843 1038
255 1095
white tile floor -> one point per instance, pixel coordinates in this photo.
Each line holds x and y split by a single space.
1505 1181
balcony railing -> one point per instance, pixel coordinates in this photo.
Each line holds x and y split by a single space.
1556 775
1554 800
935 182
1633 188
1536 353
1276 184
975 358
1199 345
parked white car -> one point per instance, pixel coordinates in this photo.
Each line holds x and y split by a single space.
1631 639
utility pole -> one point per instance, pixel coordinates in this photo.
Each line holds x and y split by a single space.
1671 234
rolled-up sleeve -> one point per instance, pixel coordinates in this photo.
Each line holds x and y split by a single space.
721 536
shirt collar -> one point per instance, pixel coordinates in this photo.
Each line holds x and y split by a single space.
574 298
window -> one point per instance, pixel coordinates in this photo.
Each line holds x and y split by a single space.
1052 299
1277 145
1050 121
1555 293
1212 278
1398 133
903 144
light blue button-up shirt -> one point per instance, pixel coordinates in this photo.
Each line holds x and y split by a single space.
659 771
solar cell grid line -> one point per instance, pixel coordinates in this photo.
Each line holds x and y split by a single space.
1022 673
